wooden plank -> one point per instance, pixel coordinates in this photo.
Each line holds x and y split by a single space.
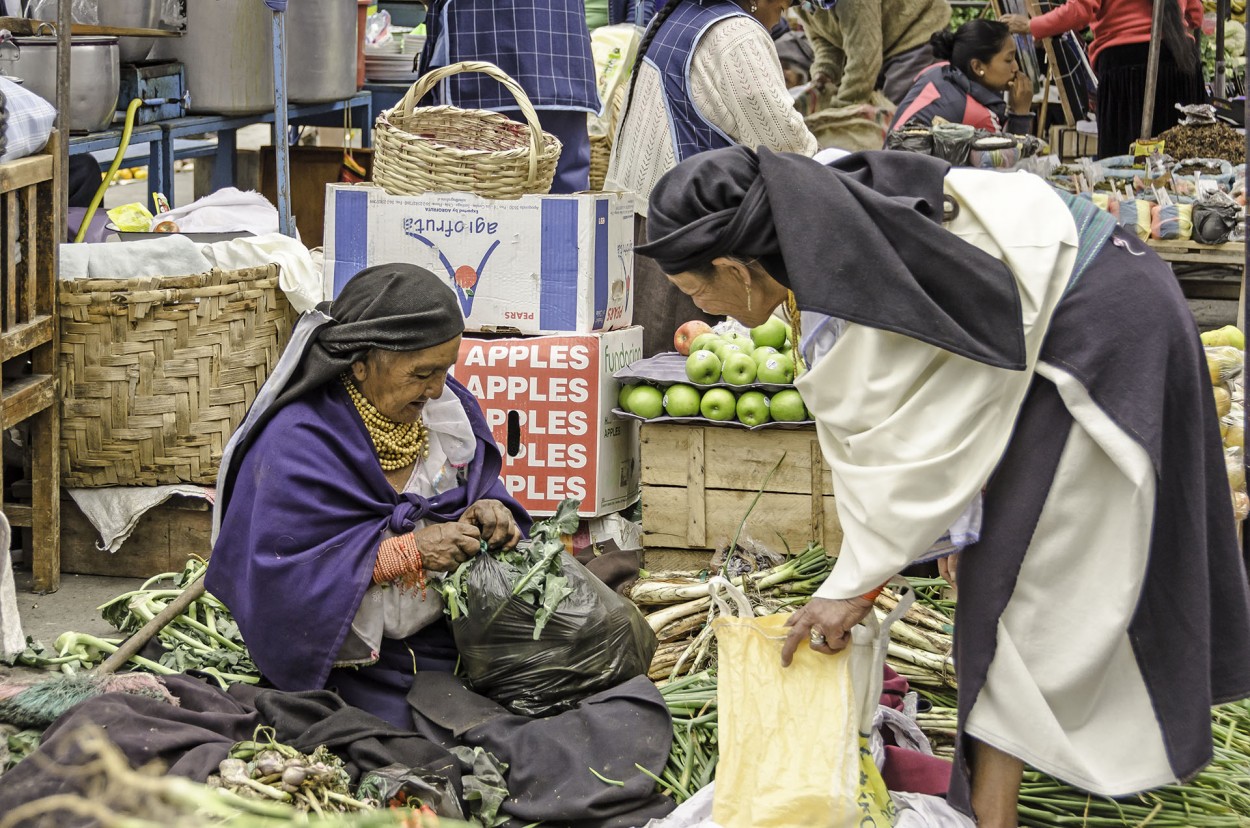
24 172
817 465
735 458
12 229
696 505
778 520
30 267
25 397
23 27
45 438
1232 254
25 336
18 514
162 541
10 267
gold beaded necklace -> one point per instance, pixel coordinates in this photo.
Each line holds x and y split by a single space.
398 445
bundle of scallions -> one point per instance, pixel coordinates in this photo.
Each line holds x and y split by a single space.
678 609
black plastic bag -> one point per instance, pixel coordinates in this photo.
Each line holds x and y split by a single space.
594 639
1214 223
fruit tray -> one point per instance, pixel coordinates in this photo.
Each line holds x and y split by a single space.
669 368
664 418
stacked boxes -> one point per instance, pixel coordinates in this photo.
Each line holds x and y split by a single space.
548 282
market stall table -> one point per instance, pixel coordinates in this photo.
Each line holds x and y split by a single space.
359 105
1230 254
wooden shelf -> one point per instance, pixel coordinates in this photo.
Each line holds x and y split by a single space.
23 27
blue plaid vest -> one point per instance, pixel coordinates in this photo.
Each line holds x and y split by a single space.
670 53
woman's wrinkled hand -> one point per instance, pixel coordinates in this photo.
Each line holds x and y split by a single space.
831 618
1017 23
496 523
444 546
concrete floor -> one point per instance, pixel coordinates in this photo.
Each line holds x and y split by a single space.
71 608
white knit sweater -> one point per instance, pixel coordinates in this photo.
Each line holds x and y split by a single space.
736 83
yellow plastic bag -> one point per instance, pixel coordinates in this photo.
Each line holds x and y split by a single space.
131 218
793 740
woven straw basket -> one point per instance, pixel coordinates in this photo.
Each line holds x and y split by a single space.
447 149
156 373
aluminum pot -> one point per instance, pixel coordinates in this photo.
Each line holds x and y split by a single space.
321 50
95 77
130 14
227 51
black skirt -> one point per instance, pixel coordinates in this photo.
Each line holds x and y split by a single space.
1121 74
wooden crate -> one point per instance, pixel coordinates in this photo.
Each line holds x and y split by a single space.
1070 143
162 541
699 481
30 210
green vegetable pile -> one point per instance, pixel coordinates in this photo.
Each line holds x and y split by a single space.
535 568
269 770
203 638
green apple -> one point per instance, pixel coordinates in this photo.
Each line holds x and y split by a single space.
762 353
682 401
703 367
646 401
778 369
740 339
788 347
773 332
704 342
718 404
787 406
724 348
622 398
752 408
738 369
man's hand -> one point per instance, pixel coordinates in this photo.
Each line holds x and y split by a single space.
496 523
824 618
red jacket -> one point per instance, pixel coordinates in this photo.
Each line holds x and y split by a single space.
1114 22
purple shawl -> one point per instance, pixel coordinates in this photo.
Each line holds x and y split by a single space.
301 525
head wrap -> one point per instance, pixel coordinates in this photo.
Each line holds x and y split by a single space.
859 240
392 307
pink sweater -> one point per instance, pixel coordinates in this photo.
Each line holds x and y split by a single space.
1114 22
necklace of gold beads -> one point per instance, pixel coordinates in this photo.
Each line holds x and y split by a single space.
398 445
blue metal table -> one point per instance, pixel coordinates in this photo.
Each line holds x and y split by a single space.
226 127
166 140
159 174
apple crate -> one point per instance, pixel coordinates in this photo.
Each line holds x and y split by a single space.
698 481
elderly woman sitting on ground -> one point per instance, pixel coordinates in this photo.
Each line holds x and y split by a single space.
361 467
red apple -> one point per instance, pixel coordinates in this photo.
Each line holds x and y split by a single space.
686 334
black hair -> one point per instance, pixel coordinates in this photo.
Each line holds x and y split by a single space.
977 39
1184 50
656 22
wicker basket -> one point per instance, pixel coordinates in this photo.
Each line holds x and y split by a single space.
600 155
156 373
447 149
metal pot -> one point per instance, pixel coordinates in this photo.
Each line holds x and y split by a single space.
130 14
95 77
228 52
321 50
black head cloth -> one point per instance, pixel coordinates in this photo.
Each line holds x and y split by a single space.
860 240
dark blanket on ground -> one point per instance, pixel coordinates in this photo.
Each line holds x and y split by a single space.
549 758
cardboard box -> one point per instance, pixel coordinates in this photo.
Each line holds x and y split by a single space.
549 403
533 265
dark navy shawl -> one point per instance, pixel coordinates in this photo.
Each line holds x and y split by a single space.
307 509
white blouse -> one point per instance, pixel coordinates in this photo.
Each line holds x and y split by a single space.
736 83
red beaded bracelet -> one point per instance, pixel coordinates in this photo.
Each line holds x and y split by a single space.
399 559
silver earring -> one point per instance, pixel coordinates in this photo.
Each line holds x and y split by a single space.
748 296
754 7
